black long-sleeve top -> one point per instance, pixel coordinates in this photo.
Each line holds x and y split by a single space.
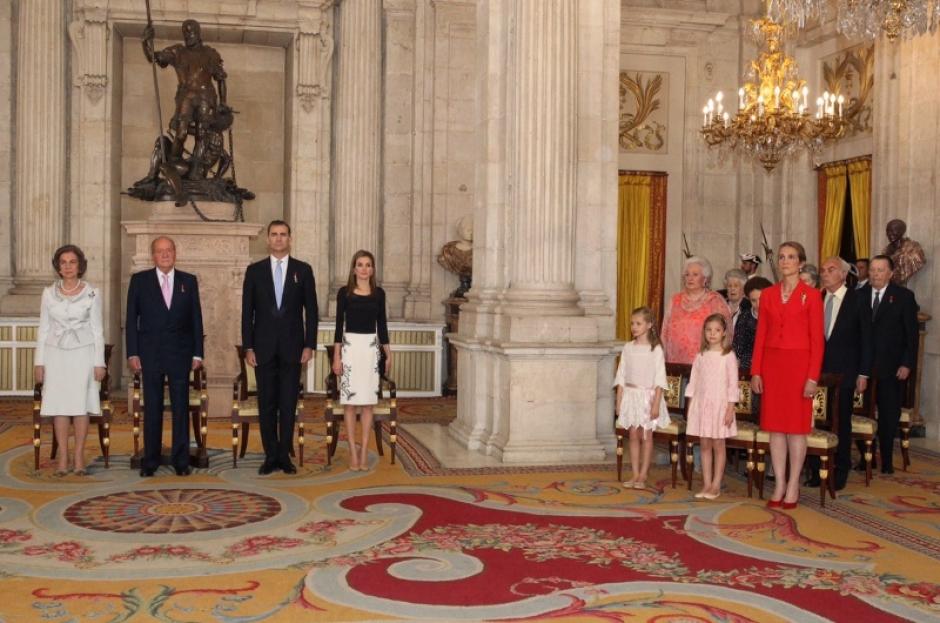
361 314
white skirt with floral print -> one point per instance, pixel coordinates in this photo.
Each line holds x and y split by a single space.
359 383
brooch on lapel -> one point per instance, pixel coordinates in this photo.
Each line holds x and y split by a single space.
91 294
295 277
803 299
891 299
182 289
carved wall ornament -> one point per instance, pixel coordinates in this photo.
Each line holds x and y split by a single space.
315 57
851 73
643 115
89 36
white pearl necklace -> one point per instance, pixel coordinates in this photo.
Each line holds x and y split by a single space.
75 289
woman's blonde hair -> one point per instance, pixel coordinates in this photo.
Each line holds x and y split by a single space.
647 315
725 342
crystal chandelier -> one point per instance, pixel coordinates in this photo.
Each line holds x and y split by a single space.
865 19
773 119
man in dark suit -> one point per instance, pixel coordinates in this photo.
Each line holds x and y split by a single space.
279 335
847 329
163 330
894 348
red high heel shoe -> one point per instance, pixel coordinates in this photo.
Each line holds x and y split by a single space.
774 503
789 506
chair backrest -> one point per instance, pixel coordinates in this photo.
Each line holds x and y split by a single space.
744 408
864 403
677 378
248 382
826 401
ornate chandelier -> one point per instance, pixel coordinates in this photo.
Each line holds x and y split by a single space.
773 119
866 19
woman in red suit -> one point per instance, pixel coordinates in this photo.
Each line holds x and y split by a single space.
788 352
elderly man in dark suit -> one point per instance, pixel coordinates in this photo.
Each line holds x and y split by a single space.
847 329
163 330
279 334
894 345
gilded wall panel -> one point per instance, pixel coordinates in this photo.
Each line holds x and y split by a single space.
644 112
851 73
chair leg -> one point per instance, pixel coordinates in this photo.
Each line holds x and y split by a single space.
234 444
377 427
761 471
246 426
619 435
330 433
823 479
194 420
300 442
104 440
392 437
36 442
905 446
750 472
55 446
674 460
868 457
136 431
690 463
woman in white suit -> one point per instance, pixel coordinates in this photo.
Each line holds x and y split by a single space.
70 353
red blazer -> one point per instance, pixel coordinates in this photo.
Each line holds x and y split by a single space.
795 325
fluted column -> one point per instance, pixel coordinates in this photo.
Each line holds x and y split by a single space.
358 138
543 156
40 183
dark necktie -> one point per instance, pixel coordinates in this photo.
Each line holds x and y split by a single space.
876 303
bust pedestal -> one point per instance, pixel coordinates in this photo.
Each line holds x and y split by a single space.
452 318
217 253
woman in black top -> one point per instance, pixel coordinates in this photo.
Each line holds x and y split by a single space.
361 329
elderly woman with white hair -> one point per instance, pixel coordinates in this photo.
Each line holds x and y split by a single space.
735 280
687 310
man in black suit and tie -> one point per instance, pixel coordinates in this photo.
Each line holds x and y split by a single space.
279 335
163 330
847 329
894 348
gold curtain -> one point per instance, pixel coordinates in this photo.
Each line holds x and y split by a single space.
860 188
633 265
836 184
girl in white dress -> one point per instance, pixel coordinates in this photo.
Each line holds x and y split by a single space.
640 381
70 353
713 391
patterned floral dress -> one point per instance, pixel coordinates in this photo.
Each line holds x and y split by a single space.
682 327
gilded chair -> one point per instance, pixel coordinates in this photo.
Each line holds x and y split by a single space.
102 420
245 409
197 407
677 377
386 410
865 425
745 439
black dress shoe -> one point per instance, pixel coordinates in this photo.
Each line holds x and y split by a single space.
267 468
147 472
288 468
184 471
887 470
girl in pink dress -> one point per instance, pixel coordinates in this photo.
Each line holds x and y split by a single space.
640 381
713 392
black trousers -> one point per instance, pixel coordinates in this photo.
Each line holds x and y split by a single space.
278 388
888 397
153 417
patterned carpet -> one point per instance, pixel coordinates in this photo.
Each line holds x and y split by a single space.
226 545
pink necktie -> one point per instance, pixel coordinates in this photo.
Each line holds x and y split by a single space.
166 290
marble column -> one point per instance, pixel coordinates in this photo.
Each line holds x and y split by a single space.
358 134
530 357
40 169
543 157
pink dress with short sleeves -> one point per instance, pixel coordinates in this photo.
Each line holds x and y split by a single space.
713 384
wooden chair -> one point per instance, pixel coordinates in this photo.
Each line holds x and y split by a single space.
864 425
904 428
677 377
821 441
103 420
386 410
745 439
245 409
198 409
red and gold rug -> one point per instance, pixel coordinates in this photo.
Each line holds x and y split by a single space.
226 545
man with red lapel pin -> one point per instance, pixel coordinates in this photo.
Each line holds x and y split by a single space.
279 335
163 330
894 346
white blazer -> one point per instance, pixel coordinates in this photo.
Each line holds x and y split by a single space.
68 322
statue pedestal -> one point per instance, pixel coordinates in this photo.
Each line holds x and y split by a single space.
217 253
